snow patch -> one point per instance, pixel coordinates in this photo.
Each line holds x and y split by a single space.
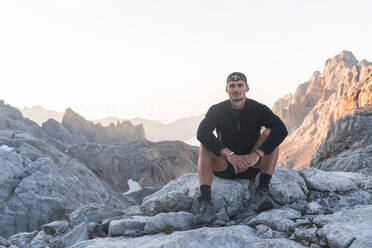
133 187
7 148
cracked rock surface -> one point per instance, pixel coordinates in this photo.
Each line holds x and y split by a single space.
308 212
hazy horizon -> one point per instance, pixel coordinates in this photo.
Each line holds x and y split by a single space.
167 60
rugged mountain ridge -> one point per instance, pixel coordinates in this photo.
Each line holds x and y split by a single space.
183 129
343 86
113 134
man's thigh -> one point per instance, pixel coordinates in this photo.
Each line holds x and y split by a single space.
219 163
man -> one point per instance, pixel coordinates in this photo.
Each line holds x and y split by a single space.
239 151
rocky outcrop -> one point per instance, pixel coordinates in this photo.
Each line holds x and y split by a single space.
145 162
87 131
343 86
38 184
12 119
348 145
40 115
49 172
312 208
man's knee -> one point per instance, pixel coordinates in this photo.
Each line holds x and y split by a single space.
206 156
204 151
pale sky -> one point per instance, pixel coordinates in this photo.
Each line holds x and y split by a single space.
168 59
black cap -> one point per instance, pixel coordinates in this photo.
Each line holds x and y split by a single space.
236 76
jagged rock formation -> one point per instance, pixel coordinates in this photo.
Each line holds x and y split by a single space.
86 131
145 162
348 145
40 115
182 129
312 208
39 184
344 85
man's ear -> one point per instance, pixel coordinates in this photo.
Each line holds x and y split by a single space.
226 89
247 89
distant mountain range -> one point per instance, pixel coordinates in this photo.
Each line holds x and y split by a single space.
183 129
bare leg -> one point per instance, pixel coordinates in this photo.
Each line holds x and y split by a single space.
208 162
268 162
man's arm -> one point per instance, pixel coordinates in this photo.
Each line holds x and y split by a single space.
278 130
205 132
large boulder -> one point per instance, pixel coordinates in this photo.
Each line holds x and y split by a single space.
345 228
230 196
33 193
348 145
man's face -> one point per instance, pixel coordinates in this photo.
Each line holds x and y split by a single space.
237 90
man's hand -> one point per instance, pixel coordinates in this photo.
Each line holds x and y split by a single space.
240 162
251 159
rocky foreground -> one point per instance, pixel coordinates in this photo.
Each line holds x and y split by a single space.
313 208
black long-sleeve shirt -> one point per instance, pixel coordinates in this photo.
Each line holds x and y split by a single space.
240 132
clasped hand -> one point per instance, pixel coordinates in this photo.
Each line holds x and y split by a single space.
242 162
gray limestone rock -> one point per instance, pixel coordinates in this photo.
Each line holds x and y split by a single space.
139 195
346 227
180 193
79 233
22 239
145 162
37 244
4 242
232 236
314 208
306 236
175 196
59 132
92 212
287 186
56 227
348 145
169 222
283 220
33 193
331 181
43 236
131 226
95 230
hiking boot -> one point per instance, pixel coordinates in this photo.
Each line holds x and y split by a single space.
262 200
206 212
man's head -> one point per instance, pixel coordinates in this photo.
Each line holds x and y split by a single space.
236 86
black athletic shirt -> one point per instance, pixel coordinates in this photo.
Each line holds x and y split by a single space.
239 130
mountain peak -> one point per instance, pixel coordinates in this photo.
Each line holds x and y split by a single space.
345 57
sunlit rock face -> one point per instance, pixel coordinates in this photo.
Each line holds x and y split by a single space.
344 86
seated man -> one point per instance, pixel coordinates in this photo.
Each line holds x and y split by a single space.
239 151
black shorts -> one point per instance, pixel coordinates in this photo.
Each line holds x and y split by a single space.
229 173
